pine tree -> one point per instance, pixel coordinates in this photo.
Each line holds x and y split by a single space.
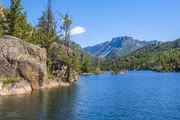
3 17
85 66
47 28
14 17
66 26
97 63
1 20
16 22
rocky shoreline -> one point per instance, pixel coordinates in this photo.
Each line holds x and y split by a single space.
23 68
24 87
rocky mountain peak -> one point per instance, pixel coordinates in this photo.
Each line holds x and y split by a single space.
118 45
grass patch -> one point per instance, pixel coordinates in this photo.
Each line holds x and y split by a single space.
8 80
50 76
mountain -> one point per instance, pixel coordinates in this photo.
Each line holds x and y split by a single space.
164 57
118 45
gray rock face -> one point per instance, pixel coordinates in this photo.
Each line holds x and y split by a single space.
24 60
119 45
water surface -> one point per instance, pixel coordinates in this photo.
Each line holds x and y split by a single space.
138 95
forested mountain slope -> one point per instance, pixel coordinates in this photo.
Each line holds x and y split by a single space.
159 57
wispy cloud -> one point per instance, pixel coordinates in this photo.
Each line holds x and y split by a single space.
78 30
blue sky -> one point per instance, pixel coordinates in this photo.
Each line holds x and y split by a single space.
105 19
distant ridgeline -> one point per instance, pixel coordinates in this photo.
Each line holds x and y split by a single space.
163 57
117 46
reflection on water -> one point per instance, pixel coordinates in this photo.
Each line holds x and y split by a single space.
50 104
138 95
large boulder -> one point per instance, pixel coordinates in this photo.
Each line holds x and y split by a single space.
22 60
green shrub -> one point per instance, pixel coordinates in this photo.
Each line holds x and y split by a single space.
50 75
8 80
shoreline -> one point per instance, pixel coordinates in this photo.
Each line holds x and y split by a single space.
24 87
125 72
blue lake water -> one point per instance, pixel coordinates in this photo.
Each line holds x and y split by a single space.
138 95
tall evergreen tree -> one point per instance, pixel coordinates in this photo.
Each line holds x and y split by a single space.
14 17
46 27
1 19
97 63
16 22
66 26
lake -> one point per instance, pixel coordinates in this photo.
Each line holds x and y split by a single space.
138 95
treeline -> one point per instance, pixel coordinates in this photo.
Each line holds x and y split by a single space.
163 57
60 50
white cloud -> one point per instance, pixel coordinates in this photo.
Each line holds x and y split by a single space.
78 30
